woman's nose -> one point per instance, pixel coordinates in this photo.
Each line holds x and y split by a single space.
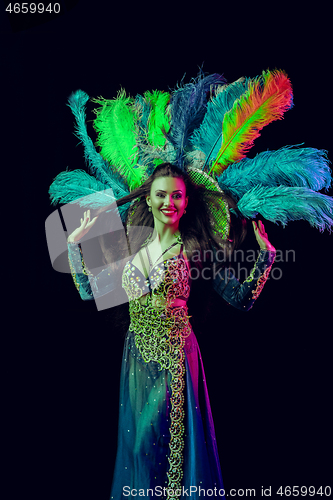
168 201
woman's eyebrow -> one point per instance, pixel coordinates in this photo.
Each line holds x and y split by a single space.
161 191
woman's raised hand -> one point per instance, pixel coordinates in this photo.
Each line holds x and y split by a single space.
86 225
261 236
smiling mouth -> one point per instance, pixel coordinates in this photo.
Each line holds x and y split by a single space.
168 212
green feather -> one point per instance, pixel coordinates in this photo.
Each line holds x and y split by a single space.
115 124
159 118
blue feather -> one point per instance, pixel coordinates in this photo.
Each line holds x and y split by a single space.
289 166
208 137
97 166
188 107
283 204
79 187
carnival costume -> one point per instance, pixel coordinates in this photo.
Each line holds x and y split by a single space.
166 435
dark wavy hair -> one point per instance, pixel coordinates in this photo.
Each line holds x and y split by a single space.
195 226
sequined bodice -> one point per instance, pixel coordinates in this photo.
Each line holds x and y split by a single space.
166 281
155 321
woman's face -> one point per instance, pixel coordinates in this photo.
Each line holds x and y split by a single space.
167 199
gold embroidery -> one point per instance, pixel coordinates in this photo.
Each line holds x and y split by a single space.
261 282
84 270
160 333
73 273
251 276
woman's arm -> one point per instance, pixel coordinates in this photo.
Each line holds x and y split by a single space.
243 295
79 272
89 286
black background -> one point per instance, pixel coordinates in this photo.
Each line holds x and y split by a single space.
269 370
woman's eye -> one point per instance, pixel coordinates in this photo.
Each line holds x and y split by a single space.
175 196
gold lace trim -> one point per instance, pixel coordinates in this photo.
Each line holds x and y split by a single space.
160 332
261 280
85 270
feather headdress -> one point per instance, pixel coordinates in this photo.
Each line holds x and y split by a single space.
204 126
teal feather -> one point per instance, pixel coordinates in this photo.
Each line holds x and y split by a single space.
208 137
79 187
123 211
283 204
289 166
96 164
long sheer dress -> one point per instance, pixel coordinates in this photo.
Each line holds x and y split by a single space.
166 438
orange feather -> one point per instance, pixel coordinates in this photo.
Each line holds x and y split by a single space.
266 100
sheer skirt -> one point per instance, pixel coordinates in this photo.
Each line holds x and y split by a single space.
144 421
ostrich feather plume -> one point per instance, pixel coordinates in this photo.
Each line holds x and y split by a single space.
115 124
79 187
188 107
159 118
284 204
101 170
289 166
266 100
207 138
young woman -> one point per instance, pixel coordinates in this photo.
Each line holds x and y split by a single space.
166 437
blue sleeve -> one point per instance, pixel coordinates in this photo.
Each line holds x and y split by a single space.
89 286
243 295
